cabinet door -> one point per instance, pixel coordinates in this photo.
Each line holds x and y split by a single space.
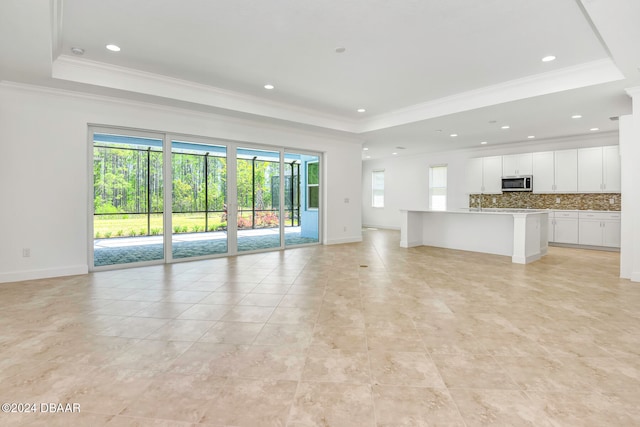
590 232
525 164
590 170
516 164
542 171
566 230
492 174
611 169
510 165
611 236
566 171
474 176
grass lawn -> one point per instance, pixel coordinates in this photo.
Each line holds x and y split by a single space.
105 226
125 225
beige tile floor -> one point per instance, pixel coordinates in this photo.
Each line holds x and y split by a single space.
349 335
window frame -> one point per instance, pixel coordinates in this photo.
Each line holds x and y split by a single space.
308 186
377 191
432 187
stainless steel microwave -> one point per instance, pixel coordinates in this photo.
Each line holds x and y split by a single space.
517 183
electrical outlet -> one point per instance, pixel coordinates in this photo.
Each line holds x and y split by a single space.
473 200
612 201
344 228
26 252
494 200
557 199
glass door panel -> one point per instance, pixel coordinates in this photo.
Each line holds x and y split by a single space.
127 199
258 199
199 194
302 199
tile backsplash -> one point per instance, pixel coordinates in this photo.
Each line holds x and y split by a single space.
524 200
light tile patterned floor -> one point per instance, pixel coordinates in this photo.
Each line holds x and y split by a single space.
362 334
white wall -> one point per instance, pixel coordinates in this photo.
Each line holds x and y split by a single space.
44 171
407 176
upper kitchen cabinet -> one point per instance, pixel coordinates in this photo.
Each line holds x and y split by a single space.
566 171
543 172
599 169
517 164
484 175
555 171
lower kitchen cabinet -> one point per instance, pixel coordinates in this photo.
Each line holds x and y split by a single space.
565 227
599 229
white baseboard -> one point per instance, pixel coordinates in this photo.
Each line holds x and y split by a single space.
525 260
18 276
411 244
382 227
635 276
357 239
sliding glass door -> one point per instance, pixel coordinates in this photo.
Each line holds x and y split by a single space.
274 201
199 199
258 199
127 198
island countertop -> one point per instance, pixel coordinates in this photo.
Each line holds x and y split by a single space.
519 233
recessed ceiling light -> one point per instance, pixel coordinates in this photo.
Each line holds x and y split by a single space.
594 129
113 48
340 49
77 51
366 149
505 127
484 143
531 136
548 58
453 135
367 157
361 110
576 116
395 154
269 87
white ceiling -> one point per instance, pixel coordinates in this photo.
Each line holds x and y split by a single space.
416 66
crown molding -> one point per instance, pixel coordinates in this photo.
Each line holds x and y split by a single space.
116 77
51 91
587 74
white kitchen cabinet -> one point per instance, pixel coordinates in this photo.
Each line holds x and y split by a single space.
599 229
492 174
555 171
565 227
611 169
543 172
590 170
484 175
612 233
550 227
565 171
599 169
517 164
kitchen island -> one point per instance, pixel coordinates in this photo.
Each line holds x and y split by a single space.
518 233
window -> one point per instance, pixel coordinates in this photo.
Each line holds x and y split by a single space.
313 189
377 189
438 188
